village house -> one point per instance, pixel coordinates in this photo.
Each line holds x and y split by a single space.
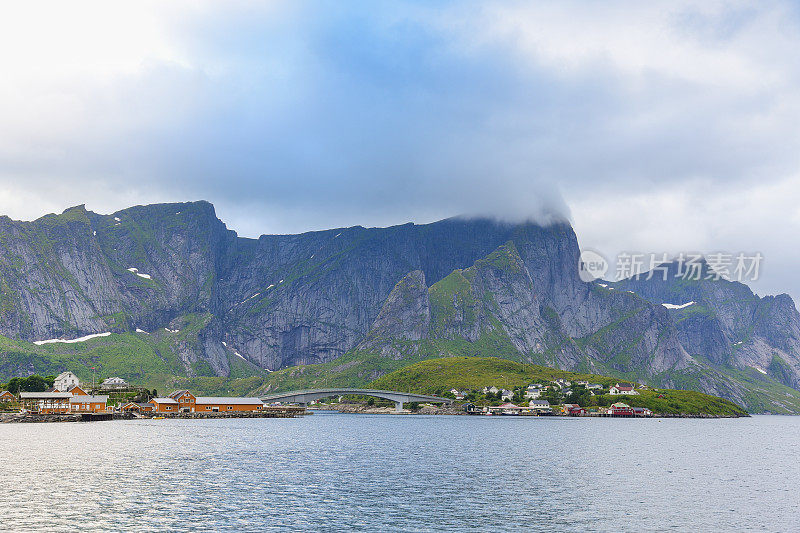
83 403
641 411
114 383
458 394
72 400
507 395
622 389
620 409
46 403
493 390
164 405
593 386
540 405
140 407
65 381
506 409
77 391
184 401
222 404
567 406
533 392
6 396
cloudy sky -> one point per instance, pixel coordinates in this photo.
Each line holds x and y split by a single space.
651 126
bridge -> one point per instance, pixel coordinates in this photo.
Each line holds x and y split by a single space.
306 396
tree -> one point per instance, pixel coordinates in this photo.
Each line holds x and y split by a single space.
33 383
552 395
580 395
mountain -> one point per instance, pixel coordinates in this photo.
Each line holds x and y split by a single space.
350 304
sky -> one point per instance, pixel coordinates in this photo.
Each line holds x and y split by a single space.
650 126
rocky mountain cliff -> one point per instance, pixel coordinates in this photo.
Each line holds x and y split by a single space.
454 287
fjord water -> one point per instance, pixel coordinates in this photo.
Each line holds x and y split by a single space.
334 472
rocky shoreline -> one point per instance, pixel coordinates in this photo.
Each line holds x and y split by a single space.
355 408
283 412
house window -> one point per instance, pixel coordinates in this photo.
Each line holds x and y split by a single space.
168 408
208 408
230 407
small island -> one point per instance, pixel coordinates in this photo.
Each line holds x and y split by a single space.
500 386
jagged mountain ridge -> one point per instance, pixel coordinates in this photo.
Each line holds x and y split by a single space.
407 290
279 300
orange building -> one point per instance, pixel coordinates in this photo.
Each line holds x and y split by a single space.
186 400
133 406
183 401
164 405
77 391
6 396
46 402
213 404
83 403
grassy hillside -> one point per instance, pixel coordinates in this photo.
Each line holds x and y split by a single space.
437 375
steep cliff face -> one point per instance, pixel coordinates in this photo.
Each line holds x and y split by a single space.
496 305
458 286
79 273
310 298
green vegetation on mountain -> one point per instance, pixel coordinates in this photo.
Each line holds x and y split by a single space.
151 360
437 375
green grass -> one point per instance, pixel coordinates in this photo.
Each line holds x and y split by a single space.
438 375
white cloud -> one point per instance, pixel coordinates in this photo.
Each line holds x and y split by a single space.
664 125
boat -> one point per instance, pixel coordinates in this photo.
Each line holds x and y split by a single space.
158 418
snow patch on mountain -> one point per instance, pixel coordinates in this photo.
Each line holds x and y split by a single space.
70 341
673 306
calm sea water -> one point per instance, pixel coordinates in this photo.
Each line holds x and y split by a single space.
334 472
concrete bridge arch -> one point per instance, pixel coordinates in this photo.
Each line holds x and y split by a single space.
306 396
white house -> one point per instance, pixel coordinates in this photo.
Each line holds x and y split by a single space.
533 394
65 381
114 383
594 386
458 394
622 389
539 404
493 390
